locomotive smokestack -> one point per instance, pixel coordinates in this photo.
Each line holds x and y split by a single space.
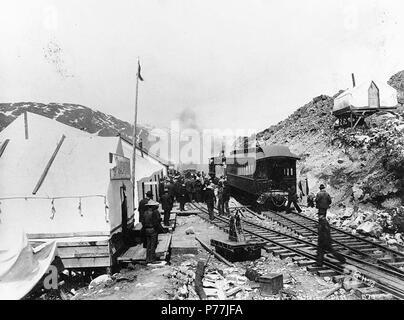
353 80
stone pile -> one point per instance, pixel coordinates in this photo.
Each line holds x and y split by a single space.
183 278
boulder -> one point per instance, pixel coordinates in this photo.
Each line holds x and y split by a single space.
100 280
183 291
370 228
357 192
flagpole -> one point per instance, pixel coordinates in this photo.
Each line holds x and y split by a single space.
134 136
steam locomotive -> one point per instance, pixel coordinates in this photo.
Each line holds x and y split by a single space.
263 174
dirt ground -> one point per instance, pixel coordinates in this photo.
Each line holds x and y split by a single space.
175 280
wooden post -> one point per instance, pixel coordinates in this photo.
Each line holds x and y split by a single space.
26 124
134 138
48 165
200 270
351 120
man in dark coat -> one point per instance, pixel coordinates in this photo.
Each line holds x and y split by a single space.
220 203
142 209
210 200
189 187
142 205
167 205
152 226
171 190
198 190
182 194
226 197
292 198
323 200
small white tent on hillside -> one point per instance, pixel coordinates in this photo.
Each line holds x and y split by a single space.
354 104
367 95
62 183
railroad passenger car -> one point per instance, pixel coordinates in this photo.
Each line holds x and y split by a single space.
263 173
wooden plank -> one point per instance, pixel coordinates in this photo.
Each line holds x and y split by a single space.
164 241
84 255
87 262
74 252
136 253
200 271
48 165
67 235
83 244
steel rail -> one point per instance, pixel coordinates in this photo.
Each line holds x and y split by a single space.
388 288
382 263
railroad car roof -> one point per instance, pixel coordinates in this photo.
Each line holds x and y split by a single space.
276 151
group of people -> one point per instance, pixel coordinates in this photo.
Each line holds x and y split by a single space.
322 202
192 188
200 188
197 187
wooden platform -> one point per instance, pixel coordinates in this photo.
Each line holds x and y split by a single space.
182 245
81 252
138 253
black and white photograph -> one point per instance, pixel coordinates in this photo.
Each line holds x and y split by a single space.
200 154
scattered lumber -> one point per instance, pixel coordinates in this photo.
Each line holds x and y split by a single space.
200 270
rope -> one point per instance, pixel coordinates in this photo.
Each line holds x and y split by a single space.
53 210
81 214
49 198
106 210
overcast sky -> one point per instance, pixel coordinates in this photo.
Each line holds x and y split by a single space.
237 64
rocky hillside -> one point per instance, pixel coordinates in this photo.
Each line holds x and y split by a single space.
397 82
74 115
362 168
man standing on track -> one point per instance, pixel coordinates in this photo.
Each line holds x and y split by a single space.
292 198
210 200
323 201
226 197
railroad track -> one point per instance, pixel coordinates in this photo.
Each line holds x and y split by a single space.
294 240
346 242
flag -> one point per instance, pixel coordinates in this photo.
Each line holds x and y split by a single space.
138 71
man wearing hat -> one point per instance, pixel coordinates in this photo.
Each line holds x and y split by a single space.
142 205
167 205
210 199
142 209
152 226
323 201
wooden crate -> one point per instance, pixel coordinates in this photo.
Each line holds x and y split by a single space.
238 251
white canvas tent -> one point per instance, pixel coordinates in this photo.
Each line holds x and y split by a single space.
21 266
78 199
364 96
